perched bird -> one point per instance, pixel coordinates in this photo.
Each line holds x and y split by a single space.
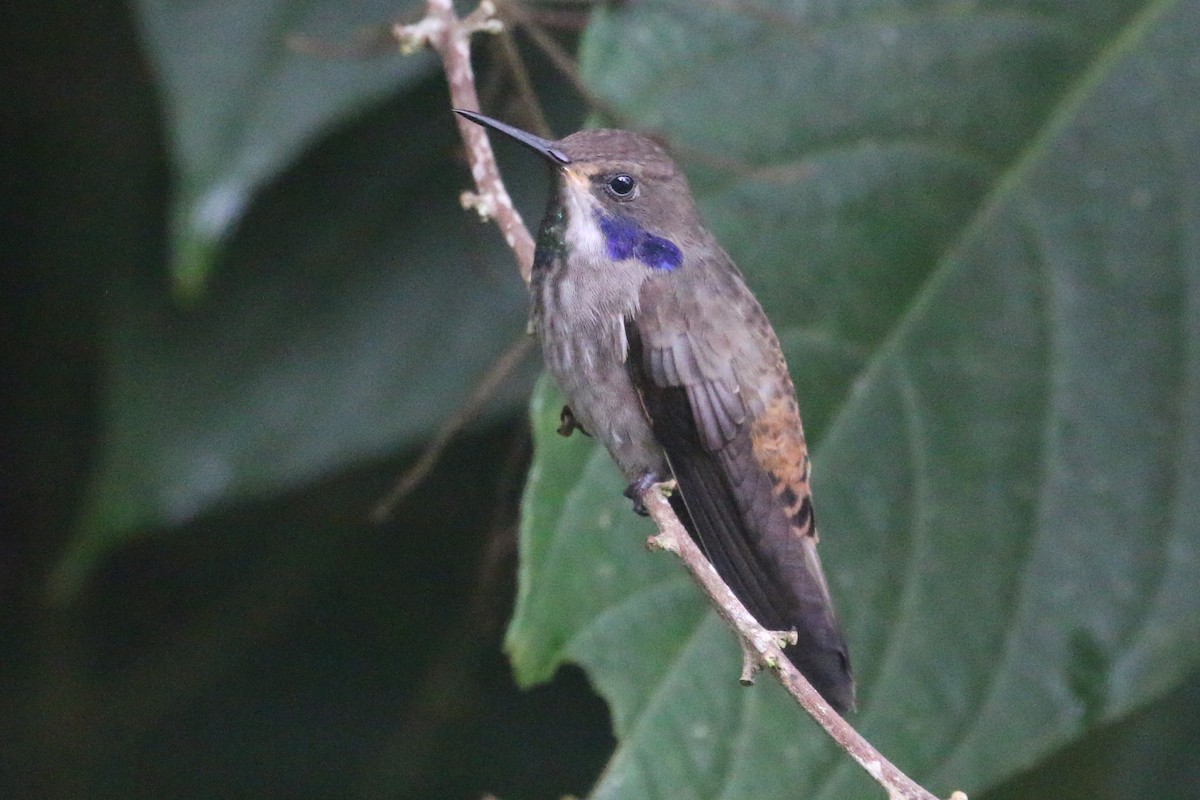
666 357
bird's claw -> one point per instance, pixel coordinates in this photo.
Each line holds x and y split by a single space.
635 490
568 424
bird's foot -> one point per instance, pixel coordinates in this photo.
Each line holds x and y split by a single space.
568 424
635 490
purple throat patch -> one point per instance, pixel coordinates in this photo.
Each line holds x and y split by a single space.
624 239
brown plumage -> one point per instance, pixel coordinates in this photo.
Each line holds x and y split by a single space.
720 401
667 358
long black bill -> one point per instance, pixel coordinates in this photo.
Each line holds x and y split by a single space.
543 147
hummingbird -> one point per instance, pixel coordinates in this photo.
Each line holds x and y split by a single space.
666 357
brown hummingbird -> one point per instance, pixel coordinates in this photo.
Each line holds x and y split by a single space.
667 358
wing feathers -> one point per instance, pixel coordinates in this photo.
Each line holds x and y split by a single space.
716 404
753 521
716 519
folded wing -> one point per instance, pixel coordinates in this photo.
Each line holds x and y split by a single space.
717 394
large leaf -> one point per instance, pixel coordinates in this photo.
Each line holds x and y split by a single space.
356 307
975 231
242 102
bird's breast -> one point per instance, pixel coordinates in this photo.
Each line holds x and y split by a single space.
582 333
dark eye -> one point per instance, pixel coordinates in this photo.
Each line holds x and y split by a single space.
621 185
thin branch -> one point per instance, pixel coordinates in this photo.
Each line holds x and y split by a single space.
523 18
483 391
763 648
366 42
450 37
526 95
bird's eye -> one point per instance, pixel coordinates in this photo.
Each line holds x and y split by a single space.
621 186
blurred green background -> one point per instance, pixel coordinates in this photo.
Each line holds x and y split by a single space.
240 297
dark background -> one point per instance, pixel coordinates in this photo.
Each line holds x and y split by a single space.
285 647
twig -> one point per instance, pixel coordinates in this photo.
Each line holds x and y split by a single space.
764 648
450 37
518 73
501 368
521 17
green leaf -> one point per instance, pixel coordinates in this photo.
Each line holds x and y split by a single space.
974 229
359 308
242 103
